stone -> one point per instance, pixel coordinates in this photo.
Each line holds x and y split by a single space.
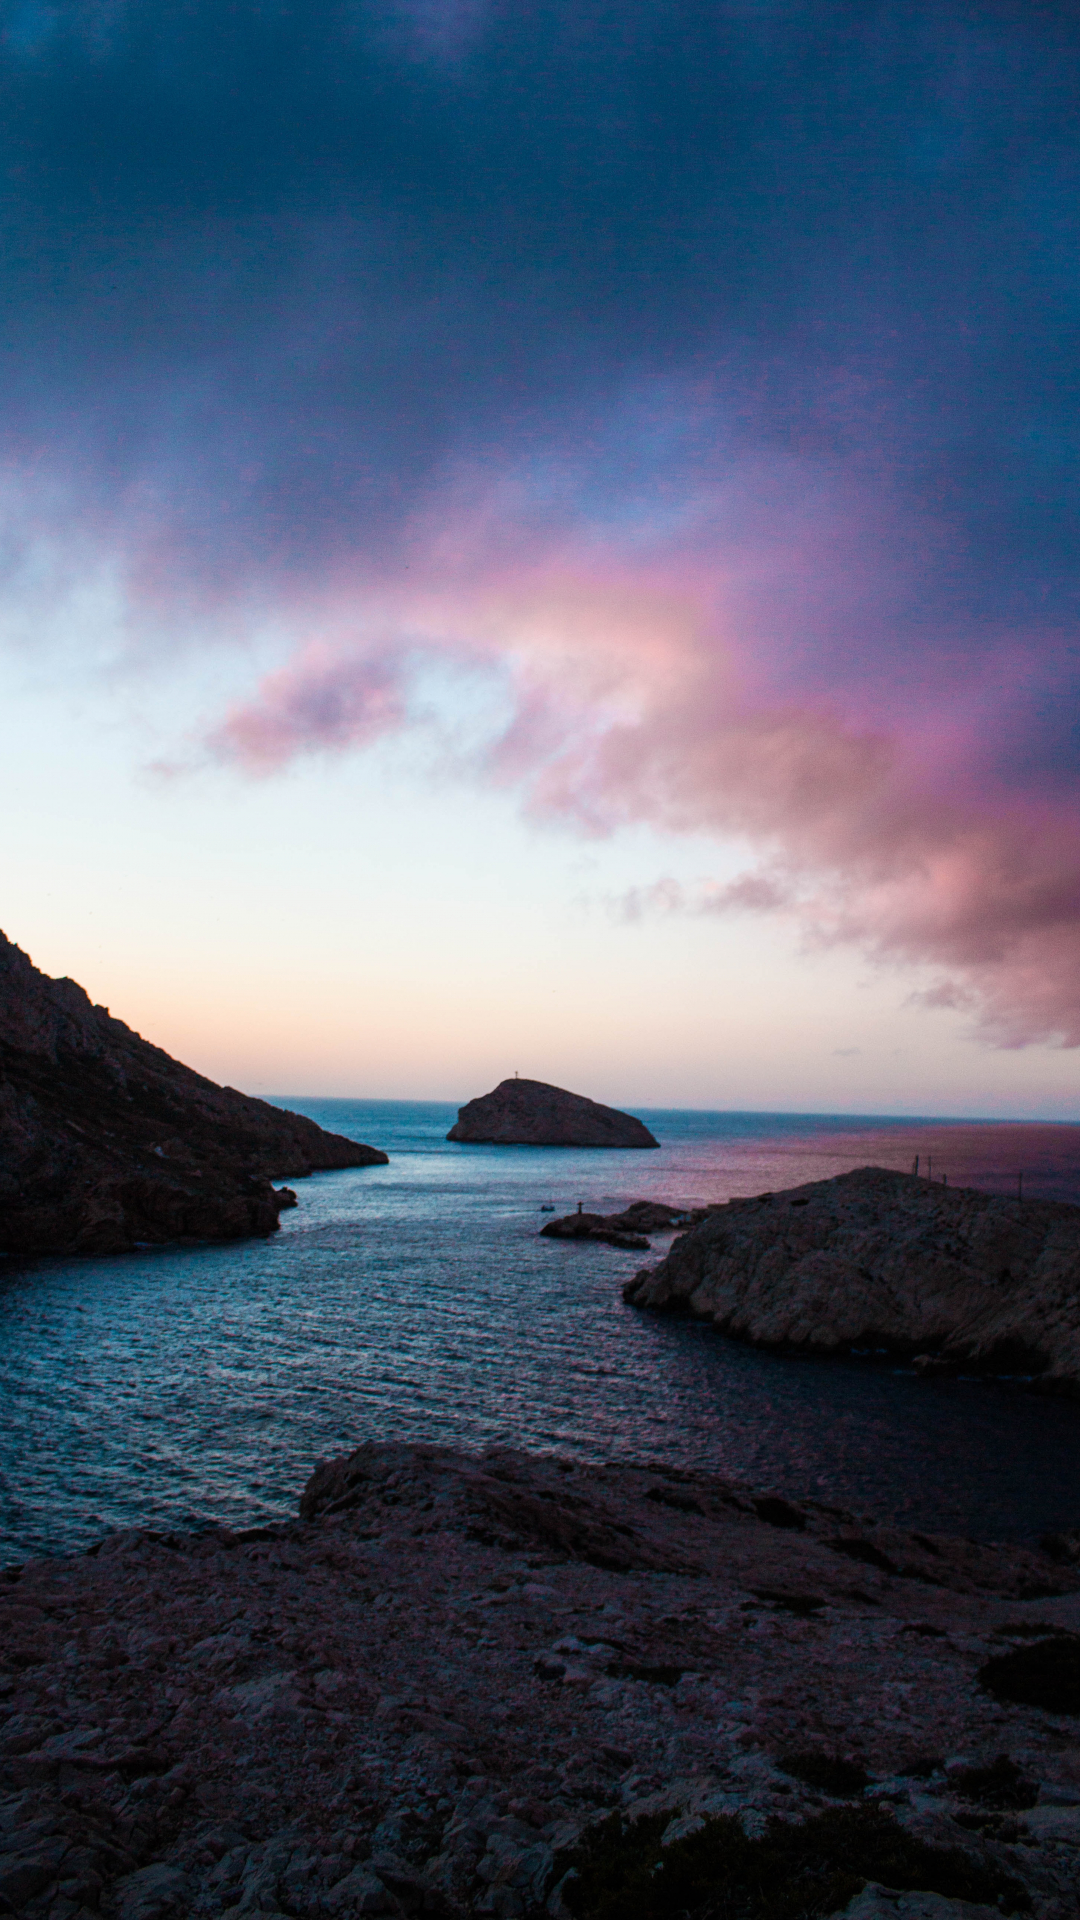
107 1144
156 1892
21 1879
1060 1824
529 1113
361 1891
887 1262
889 1903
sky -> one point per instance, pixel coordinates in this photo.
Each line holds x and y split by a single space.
543 537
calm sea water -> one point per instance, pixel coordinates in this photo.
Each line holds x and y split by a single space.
416 1301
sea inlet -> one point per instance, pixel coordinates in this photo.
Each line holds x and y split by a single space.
416 1301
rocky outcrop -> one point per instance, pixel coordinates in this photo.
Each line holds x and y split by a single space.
107 1143
529 1113
626 1229
945 1275
424 1696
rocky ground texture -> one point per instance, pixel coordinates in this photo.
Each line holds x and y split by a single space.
426 1694
107 1143
529 1113
952 1277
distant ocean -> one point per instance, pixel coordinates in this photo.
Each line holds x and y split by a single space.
416 1301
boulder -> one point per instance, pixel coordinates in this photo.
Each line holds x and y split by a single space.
625 1229
876 1902
529 1113
595 1227
106 1143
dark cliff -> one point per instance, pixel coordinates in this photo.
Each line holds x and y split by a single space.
107 1143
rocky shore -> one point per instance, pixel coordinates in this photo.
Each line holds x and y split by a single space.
512 1685
106 1143
948 1276
529 1113
628 1228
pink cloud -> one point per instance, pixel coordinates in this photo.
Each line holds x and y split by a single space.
632 690
323 702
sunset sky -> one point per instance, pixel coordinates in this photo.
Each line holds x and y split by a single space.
545 537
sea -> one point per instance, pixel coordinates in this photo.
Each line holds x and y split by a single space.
198 1386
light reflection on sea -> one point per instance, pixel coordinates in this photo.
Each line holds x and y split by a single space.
416 1301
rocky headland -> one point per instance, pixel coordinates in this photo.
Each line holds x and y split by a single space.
513 1685
947 1276
529 1113
107 1143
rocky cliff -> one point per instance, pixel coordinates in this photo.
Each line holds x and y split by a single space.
529 1113
107 1143
873 1259
460 1673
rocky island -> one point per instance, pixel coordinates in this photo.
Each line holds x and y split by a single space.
107 1143
510 1685
627 1228
948 1276
529 1113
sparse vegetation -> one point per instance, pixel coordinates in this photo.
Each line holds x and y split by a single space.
1045 1674
793 1871
843 1779
1001 1786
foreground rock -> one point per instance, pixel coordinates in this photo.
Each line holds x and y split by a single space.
625 1229
422 1696
107 1143
872 1259
529 1113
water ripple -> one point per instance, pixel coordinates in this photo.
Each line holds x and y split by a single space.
416 1301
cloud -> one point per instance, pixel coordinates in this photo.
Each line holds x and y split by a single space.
314 705
665 412
751 892
949 994
628 698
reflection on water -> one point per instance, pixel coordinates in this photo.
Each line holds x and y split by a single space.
416 1301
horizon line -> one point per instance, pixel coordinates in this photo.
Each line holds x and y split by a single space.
762 1113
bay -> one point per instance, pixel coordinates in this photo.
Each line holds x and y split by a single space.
190 1386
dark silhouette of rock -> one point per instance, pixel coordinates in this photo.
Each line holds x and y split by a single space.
625 1229
596 1227
529 1113
107 1143
886 1261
